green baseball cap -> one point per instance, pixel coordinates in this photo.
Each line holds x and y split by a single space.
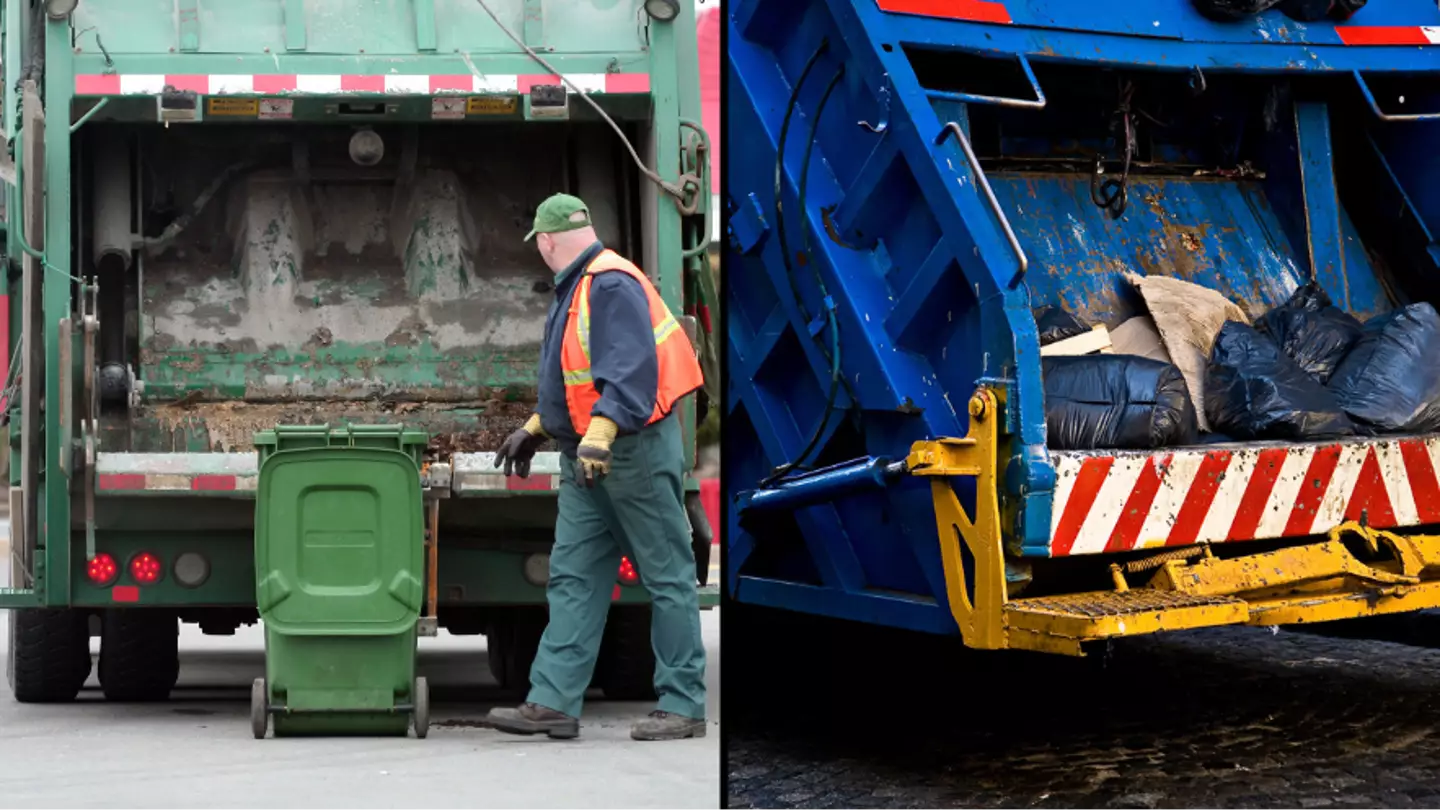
556 214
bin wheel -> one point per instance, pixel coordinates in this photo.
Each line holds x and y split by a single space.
422 707
259 711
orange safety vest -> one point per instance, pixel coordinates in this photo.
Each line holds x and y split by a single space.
679 370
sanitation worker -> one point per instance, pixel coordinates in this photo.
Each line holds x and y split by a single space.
613 364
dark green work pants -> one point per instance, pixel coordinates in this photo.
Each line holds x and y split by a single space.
637 510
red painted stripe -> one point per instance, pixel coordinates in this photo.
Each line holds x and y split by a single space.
536 481
1082 496
1137 506
441 84
1257 492
195 84
1423 483
122 481
362 84
98 85
275 83
1381 35
627 83
1197 502
525 81
1312 492
979 11
1370 495
125 594
210 481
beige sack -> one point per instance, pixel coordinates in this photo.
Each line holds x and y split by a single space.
1188 318
1138 336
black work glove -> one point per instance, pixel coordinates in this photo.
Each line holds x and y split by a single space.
519 448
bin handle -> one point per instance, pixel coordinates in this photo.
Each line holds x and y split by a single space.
1037 103
952 127
1384 116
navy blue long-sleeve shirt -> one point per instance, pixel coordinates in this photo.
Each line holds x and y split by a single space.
622 353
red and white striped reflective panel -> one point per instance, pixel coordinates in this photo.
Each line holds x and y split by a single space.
1125 501
979 11
1389 34
174 482
153 84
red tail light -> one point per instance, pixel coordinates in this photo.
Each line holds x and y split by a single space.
146 569
628 575
102 570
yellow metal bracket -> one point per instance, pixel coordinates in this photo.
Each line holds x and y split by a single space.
978 608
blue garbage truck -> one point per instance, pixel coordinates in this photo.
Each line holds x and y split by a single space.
909 181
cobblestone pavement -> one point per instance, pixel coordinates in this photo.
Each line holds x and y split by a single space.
839 715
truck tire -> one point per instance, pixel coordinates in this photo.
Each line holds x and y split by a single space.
49 657
139 654
513 641
626 668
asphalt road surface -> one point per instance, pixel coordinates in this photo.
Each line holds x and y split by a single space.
197 751
840 716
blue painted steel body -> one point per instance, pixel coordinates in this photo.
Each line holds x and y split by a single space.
928 292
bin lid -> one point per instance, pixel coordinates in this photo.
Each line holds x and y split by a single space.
339 536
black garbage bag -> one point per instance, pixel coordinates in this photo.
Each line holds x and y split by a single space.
1056 324
1228 10
1311 331
1391 380
1115 401
1309 11
1253 391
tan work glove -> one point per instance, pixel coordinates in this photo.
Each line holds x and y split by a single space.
519 448
593 455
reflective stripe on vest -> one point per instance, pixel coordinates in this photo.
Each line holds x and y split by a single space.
679 371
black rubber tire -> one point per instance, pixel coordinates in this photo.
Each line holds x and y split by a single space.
49 657
626 668
139 654
421 715
259 709
513 642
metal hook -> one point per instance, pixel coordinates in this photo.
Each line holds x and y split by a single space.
884 113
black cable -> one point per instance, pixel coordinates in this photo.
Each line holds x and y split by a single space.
833 356
1113 194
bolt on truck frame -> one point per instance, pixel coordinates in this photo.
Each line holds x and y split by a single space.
906 179
224 217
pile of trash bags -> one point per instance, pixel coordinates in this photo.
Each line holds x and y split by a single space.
1305 11
1305 370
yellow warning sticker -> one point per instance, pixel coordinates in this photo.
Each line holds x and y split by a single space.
490 105
245 107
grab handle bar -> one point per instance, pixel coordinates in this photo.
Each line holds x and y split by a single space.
1037 103
984 183
1384 116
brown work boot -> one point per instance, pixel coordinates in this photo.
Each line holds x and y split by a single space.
532 719
667 726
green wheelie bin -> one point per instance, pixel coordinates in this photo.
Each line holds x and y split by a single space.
339 563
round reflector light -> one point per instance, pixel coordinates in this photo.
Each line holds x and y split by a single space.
146 569
663 10
191 569
102 569
537 569
628 575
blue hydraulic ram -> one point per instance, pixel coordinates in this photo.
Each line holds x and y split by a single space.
908 179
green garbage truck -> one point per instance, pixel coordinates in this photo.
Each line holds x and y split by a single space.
234 219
